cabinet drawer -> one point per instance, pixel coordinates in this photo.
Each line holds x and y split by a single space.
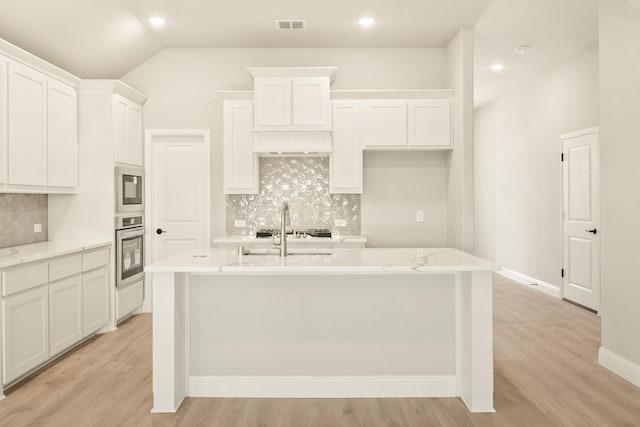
23 278
129 299
95 259
65 267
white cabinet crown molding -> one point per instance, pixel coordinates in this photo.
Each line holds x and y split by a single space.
21 55
258 72
235 95
392 94
117 87
248 95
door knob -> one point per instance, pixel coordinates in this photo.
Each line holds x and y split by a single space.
593 230
160 231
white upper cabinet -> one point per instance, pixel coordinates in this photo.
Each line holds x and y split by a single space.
292 99
420 124
311 104
346 160
273 102
38 125
240 163
384 123
134 133
62 135
127 130
27 115
429 123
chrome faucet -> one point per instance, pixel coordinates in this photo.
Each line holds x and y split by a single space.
284 221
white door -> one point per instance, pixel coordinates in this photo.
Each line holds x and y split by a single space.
178 179
581 176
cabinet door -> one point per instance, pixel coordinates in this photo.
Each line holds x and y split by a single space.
95 298
345 168
240 163
384 123
25 332
65 314
311 104
3 119
26 125
272 102
134 133
120 129
62 135
429 123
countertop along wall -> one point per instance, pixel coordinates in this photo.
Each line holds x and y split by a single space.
181 85
518 173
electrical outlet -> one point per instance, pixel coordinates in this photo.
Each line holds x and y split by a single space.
37 228
239 223
419 216
339 222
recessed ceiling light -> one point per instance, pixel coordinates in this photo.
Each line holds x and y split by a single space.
521 50
366 22
497 67
157 21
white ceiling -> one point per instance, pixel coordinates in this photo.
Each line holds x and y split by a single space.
555 30
108 38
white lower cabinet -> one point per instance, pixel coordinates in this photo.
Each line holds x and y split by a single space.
95 297
25 332
129 299
65 314
50 306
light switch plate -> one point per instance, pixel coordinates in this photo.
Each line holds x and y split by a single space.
37 228
339 222
419 216
239 223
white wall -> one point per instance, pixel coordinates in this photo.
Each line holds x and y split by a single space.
620 165
460 159
518 173
396 186
181 85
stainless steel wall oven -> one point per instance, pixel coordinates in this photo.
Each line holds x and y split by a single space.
129 249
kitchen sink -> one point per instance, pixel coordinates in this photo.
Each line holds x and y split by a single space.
295 251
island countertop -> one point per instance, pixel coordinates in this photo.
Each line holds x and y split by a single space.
352 260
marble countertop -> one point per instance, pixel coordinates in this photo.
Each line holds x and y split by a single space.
357 260
240 239
15 255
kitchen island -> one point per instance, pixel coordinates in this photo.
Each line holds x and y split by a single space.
344 323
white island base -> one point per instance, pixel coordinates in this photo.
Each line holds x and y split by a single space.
357 323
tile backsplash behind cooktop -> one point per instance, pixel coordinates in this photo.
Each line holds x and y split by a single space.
304 183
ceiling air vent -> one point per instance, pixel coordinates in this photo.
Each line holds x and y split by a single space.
288 24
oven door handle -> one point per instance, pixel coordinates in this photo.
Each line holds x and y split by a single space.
125 234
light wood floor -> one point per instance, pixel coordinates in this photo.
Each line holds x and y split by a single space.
546 374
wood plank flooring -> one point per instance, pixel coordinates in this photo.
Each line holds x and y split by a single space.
546 374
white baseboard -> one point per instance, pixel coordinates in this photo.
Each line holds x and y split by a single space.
323 386
619 366
544 287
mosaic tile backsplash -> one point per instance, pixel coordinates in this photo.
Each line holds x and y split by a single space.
18 214
304 183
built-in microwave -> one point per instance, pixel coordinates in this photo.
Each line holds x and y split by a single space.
129 189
